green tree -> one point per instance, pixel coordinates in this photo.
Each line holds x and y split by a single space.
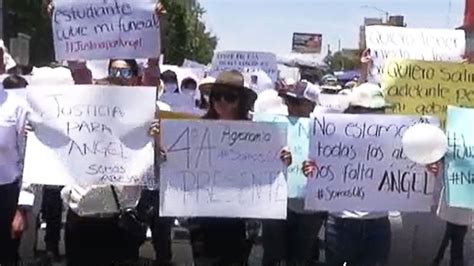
29 17
184 34
343 61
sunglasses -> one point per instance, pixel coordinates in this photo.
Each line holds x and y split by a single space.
120 72
228 96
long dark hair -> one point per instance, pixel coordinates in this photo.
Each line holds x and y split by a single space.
242 109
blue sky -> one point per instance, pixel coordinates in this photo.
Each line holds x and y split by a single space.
268 25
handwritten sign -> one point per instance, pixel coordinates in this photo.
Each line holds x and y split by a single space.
459 178
223 169
427 88
245 62
386 42
90 135
298 143
97 29
362 166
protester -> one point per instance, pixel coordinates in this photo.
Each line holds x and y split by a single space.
83 242
184 100
355 237
13 204
457 220
222 241
51 203
189 85
170 81
115 243
124 72
294 241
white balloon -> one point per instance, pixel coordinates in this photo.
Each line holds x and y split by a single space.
424 144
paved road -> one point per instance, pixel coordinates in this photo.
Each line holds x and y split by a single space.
415 240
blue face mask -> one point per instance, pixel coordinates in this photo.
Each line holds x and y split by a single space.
125 73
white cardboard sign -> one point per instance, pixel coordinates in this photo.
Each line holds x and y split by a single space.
90 134
223 169
362 166
386 42
98 29
245 62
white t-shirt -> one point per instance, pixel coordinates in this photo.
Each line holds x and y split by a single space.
349 214
12 124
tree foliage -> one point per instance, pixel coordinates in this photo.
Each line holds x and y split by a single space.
183 32
340 61
29 17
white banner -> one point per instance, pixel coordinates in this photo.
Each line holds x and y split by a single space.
386 42
362 166
245 62
223 169
98 29
90 135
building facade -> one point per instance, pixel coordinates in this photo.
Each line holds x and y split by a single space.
395 21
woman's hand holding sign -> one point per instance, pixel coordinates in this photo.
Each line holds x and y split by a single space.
309 168
285 157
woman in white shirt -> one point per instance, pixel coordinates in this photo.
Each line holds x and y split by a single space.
457 221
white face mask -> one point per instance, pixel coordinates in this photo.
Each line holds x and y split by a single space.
170 87
188 91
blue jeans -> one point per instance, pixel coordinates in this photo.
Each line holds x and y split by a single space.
357 242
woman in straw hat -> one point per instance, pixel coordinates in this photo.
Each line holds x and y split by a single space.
223 241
